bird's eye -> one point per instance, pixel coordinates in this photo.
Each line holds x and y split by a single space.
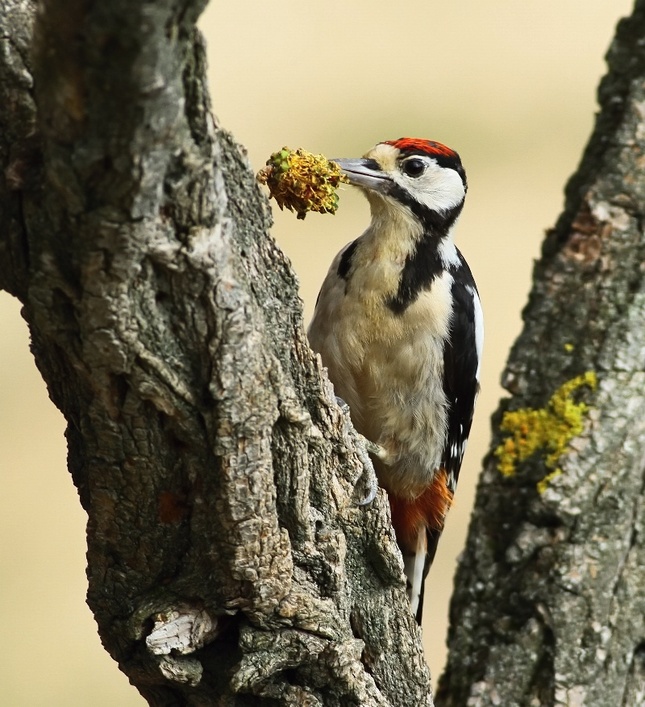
414 167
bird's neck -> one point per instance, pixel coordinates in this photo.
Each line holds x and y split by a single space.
399 233
398 256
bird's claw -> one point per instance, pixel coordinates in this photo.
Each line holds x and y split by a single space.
344 407
373 448
367 479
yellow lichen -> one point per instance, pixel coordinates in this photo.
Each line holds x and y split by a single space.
543 484
548 429
302 182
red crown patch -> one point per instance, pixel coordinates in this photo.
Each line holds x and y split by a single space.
429 147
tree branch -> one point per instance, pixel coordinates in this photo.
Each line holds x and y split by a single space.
548 605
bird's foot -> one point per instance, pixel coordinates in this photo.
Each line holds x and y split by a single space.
367 482
376 449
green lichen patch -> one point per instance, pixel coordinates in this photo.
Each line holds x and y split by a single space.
547 430
301 181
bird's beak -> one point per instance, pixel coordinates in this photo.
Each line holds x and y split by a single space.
364 173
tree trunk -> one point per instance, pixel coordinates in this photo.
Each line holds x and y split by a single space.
229 558
549 602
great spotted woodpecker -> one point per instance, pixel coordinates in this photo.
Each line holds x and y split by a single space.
398 324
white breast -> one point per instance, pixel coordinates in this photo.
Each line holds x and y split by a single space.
388 368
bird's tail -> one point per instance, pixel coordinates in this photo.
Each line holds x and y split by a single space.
418 524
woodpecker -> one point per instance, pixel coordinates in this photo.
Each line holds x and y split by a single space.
399 326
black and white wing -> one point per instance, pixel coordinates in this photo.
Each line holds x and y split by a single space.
462 360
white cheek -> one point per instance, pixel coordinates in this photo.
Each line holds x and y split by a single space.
439 189
443 190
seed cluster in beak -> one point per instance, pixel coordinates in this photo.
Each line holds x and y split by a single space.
301 181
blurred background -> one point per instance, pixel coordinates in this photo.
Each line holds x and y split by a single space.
509 85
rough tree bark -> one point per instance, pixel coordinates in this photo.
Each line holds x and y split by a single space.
549 602
229 561
229 558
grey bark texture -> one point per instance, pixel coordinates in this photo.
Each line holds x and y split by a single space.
229 559
549 601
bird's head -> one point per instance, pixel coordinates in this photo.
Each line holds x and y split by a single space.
421 176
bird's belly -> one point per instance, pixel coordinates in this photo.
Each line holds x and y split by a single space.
389 369
404 411
395 394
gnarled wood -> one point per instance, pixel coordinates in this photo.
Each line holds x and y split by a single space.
229 560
